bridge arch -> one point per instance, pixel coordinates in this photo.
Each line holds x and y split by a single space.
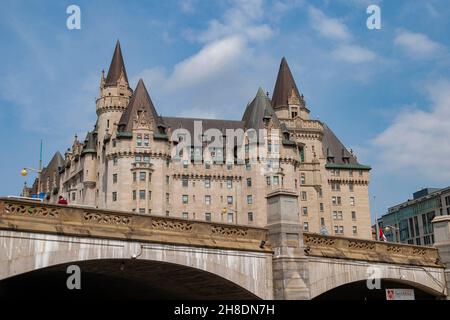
22 252
340 273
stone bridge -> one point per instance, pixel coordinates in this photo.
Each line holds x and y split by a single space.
138 255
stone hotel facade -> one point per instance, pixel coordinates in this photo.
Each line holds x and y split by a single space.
126 162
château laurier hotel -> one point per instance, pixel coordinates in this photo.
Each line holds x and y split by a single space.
127 162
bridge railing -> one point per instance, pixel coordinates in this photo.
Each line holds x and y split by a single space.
30 216
369 250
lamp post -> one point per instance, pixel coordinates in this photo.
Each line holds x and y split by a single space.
25 170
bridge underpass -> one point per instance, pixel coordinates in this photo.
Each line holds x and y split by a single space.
358 291
120 278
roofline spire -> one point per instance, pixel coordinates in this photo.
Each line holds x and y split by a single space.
117 67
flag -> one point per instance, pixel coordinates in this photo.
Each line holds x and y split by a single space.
382 237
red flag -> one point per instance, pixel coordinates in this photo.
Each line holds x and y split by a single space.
382 236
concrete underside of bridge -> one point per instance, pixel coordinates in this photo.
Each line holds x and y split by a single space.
130 268
118 279
358 291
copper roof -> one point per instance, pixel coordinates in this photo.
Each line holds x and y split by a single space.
258 110
139 102
334 150
116 67
284 86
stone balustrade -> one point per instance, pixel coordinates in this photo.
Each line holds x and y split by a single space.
33 216
369 250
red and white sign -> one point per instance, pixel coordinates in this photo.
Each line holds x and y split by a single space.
400 294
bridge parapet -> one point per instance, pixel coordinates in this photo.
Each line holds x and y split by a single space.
369 250
30 216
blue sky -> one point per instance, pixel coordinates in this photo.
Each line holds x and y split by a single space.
385 93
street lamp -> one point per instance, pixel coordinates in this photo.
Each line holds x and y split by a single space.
393 230
25 170
24 173
225 210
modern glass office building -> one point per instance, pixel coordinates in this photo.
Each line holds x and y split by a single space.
410 221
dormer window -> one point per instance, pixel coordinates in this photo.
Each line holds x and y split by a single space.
139 140
146 140
294 114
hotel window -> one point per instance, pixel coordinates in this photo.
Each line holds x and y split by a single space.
207 216
249 199
114 143
185 181
268 181
207 165
351 187
137 159
304 196
230 199
142 176
305 211
337 215
134 194
336 201
322 222
320 192
355 230
146 140
418 241
350 173
229 183
295 183
248 166
335 172
207 183
230 217
107 124
147 159
142 194
185 215
208 200
249 182
335 186
302 178
447 200
184 198
336 229
250 217
115 160
352 201
141 210
115 178
139 140
294 114
305 226
185 164
360 173
276 180
114 196
341 229
321 207
302 155
134 176
229 166
73 196
353 215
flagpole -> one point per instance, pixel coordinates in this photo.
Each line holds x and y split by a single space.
377 227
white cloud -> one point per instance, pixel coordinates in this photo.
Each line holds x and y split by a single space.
210 61
417 142
353 54
186 6
244 18
343 40
328 27
417 45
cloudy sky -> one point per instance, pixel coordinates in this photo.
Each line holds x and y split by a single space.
386 93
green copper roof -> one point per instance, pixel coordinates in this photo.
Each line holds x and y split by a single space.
349 166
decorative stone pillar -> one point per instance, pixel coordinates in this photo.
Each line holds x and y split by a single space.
441 226
290 265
